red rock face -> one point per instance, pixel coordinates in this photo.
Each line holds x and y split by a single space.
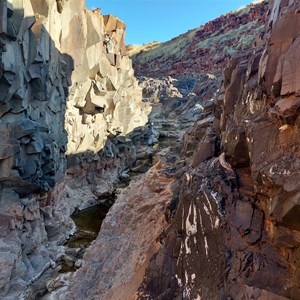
236 229
234 20
263 119
260 136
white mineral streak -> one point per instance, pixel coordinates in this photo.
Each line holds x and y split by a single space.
284 127
217 222
223 162
191 228
214 220
279 171
206 209
186 276
179 281
214 195
203 233
187 177
206 245
188 287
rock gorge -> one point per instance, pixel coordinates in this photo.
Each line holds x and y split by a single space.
215 217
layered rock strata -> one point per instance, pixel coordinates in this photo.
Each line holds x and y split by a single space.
234 233
178 103
66 85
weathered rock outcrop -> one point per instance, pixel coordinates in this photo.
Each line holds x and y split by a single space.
260 134
178 103
235 234
154 89
228 228
130 235
185 269
66 85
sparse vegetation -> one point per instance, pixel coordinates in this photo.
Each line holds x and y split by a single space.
245 42
134 49
199 47
168 49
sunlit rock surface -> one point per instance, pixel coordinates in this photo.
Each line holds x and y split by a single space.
65 86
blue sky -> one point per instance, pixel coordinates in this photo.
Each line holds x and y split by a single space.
161 20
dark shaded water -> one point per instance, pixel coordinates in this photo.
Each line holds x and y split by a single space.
88 222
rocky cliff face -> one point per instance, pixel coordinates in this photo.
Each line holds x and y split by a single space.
131 230
236 225
233 223
66 85
261 137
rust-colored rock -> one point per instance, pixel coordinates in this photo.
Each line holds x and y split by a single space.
131 234
252 188
260 133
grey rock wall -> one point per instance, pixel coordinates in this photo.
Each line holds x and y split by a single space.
66 84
